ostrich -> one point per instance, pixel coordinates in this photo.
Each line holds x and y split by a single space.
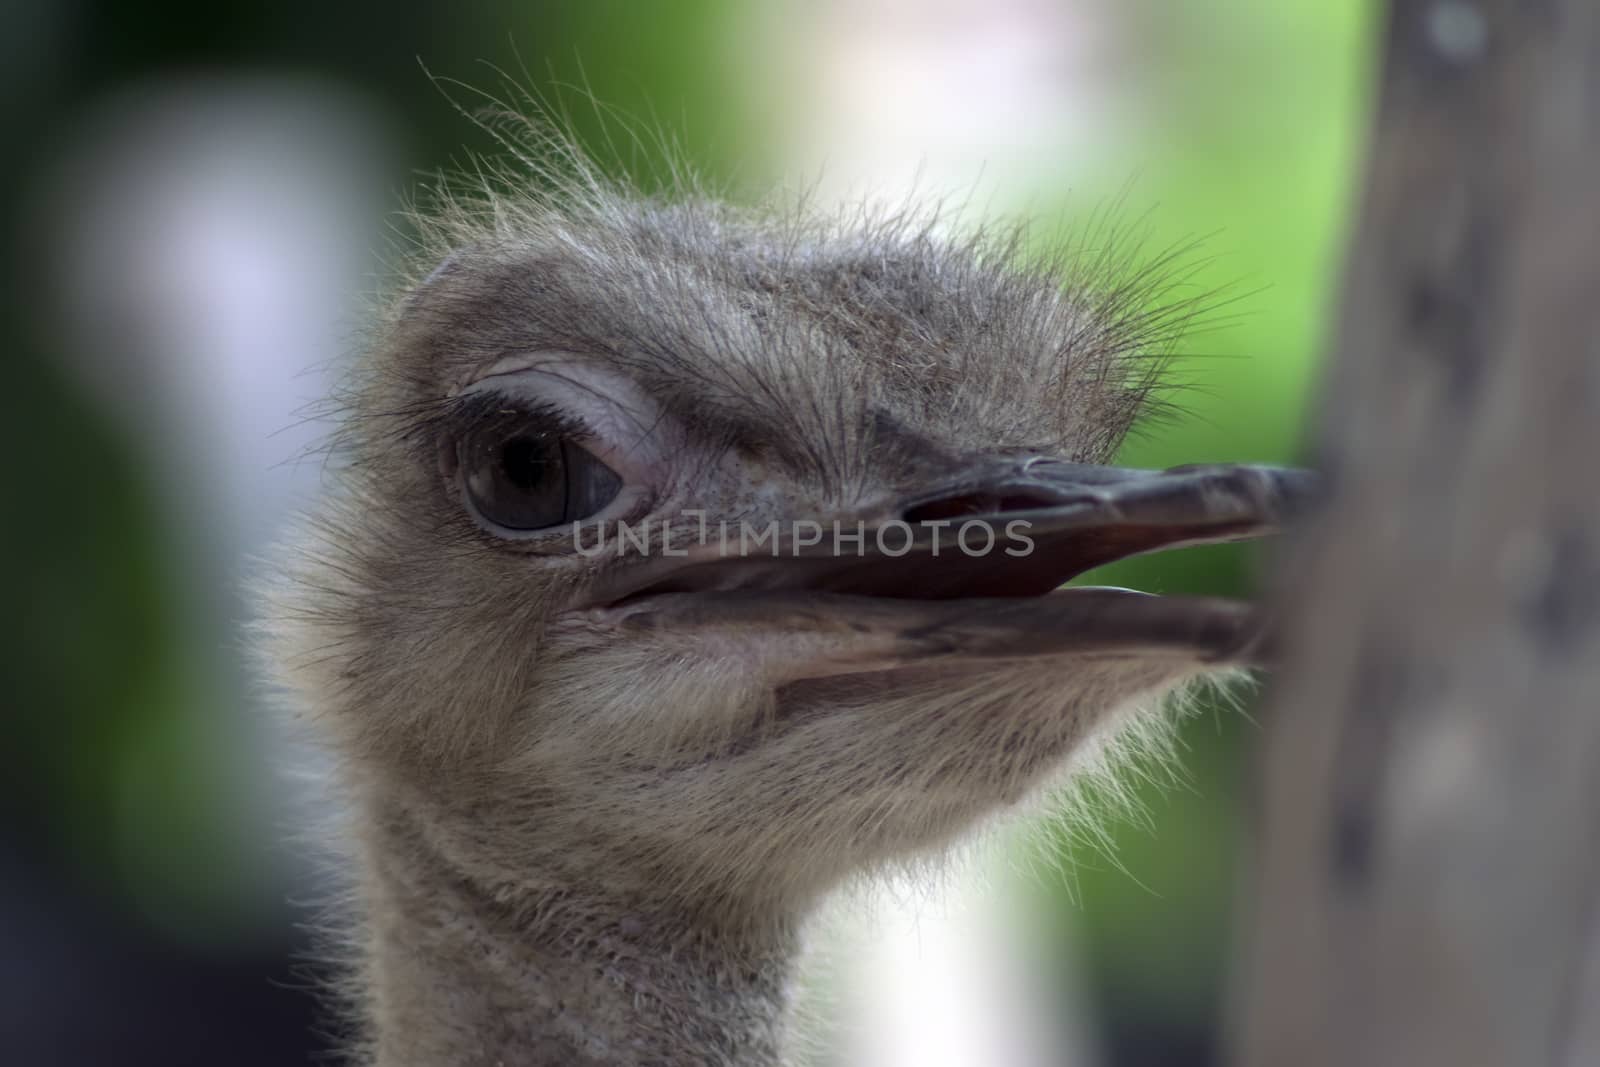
653 602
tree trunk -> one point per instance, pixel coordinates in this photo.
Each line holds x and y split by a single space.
1427 889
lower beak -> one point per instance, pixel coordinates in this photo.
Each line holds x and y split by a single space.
964 570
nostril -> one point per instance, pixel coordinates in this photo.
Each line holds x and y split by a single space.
978 503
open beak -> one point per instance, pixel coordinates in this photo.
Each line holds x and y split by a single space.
969 568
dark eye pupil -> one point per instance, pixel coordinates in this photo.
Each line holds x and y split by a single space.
532 481
524 462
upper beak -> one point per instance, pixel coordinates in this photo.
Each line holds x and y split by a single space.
957 569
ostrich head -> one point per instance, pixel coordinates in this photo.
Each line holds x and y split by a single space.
697 559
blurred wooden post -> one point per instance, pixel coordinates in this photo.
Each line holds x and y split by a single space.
1427 887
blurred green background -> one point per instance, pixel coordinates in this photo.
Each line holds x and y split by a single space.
199 200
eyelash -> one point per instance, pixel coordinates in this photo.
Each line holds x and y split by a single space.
472 410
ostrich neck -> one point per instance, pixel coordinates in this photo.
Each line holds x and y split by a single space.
459 975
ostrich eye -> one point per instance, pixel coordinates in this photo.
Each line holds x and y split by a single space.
523 480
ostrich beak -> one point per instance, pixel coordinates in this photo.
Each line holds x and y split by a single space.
968 569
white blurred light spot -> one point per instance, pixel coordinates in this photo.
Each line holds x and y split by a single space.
211 237
946 986
214 236
1458 30
927 98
